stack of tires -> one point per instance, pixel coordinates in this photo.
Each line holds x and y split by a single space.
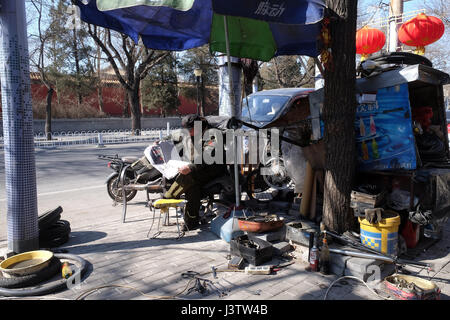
53 232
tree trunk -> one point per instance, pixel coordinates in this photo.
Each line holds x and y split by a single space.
339 115
100 98
133 98
99 79
202 99
48 114
77 67
126 104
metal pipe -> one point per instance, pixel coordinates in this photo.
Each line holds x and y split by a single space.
362 255
233 115
375 254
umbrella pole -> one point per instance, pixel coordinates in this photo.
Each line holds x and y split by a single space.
233 114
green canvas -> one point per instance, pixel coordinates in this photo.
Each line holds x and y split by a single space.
249 38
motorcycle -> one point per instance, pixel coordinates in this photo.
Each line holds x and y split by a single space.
135 171
155 172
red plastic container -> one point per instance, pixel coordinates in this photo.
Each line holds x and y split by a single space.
411 234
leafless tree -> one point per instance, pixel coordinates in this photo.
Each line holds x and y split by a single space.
38 58
131 63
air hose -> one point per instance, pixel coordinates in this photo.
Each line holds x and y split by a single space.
53 286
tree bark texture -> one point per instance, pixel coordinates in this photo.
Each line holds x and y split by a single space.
48 114
339 115
126 105
77 67
135 108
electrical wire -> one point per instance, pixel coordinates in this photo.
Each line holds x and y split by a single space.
93 290
355 278
440 270
156 297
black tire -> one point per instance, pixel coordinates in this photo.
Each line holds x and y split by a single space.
58 229
54 286
32 279
49 217
401 58
53 243
115 193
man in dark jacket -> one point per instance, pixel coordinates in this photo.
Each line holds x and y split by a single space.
193 177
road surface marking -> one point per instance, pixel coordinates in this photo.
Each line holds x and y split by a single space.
64 191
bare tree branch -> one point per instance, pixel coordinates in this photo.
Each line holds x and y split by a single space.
109 56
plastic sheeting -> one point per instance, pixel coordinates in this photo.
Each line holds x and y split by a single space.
295 164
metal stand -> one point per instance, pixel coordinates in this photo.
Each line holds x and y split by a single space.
148 188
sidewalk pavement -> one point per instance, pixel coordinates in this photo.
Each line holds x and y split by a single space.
126 265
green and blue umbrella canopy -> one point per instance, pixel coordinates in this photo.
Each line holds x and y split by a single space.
257 29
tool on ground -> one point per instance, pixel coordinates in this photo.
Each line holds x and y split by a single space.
214 269
374 254
198 285
220 292
236 263
256 292
201 285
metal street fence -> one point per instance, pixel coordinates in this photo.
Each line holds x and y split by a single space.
98 138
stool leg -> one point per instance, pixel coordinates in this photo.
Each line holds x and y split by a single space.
150 206
166 217
124 207
148 197
158 232
122 182
180 234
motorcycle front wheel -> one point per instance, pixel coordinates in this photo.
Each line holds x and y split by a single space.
115 191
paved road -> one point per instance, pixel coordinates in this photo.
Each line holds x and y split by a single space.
72 178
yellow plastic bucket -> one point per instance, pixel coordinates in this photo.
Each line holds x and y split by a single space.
381 236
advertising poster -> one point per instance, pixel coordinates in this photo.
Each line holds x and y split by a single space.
383 128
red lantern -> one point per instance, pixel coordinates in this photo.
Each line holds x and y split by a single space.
421 31
369 40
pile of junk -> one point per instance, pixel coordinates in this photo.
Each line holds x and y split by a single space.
401 193
47 270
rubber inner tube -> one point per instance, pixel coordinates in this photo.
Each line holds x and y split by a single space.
49 217
50 287
32 279
58 229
